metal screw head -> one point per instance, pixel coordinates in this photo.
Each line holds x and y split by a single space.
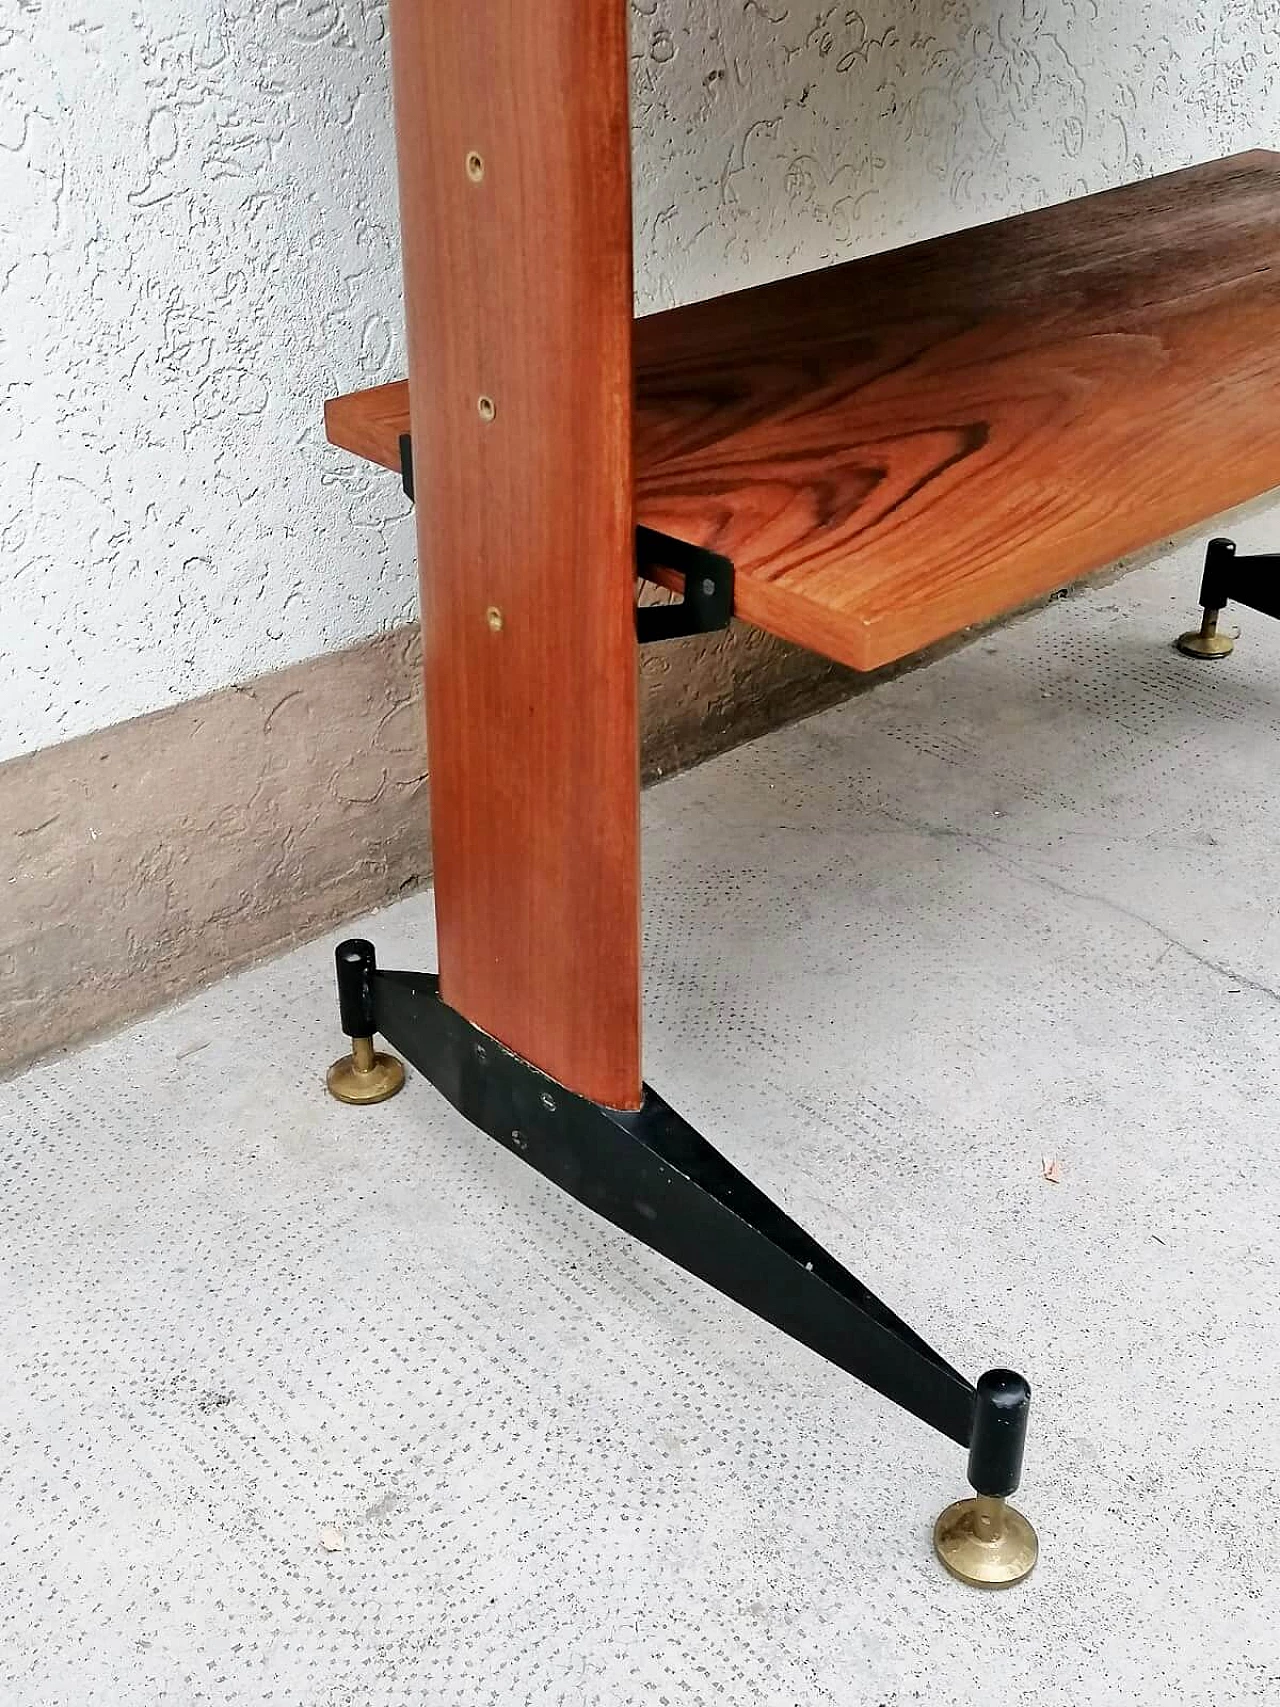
487 408
548 1102
482 1054
475 166
708 588
493 616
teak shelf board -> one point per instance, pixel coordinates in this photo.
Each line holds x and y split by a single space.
370 422
893 449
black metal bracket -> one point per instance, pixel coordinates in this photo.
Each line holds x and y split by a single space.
1252 581
707 604
406 465
651 1174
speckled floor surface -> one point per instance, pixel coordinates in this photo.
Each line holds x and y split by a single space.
1021 905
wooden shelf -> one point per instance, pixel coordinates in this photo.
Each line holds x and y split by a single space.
896 448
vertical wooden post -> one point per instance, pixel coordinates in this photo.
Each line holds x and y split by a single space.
514 155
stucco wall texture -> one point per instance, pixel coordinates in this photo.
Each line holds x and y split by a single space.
198 242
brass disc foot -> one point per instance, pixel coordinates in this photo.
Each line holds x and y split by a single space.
1205 641
985 1542
366 1075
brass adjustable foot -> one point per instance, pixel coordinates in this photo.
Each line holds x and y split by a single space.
366 1075
984 1541
1205 641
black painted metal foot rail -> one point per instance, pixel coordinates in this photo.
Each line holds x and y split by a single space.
651 1174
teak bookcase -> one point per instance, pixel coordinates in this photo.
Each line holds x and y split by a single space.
861 460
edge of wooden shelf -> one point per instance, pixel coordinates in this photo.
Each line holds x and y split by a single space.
897 448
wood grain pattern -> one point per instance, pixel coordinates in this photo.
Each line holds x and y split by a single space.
893 449
518 289
900 447
370 422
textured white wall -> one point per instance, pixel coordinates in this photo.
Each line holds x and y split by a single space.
198 243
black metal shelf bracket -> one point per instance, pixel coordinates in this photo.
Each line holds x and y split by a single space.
651 1174
1251 581
707 602
406 465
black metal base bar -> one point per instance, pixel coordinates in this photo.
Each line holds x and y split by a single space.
651 1174
1252 581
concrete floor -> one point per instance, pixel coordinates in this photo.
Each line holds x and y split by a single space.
1021 905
